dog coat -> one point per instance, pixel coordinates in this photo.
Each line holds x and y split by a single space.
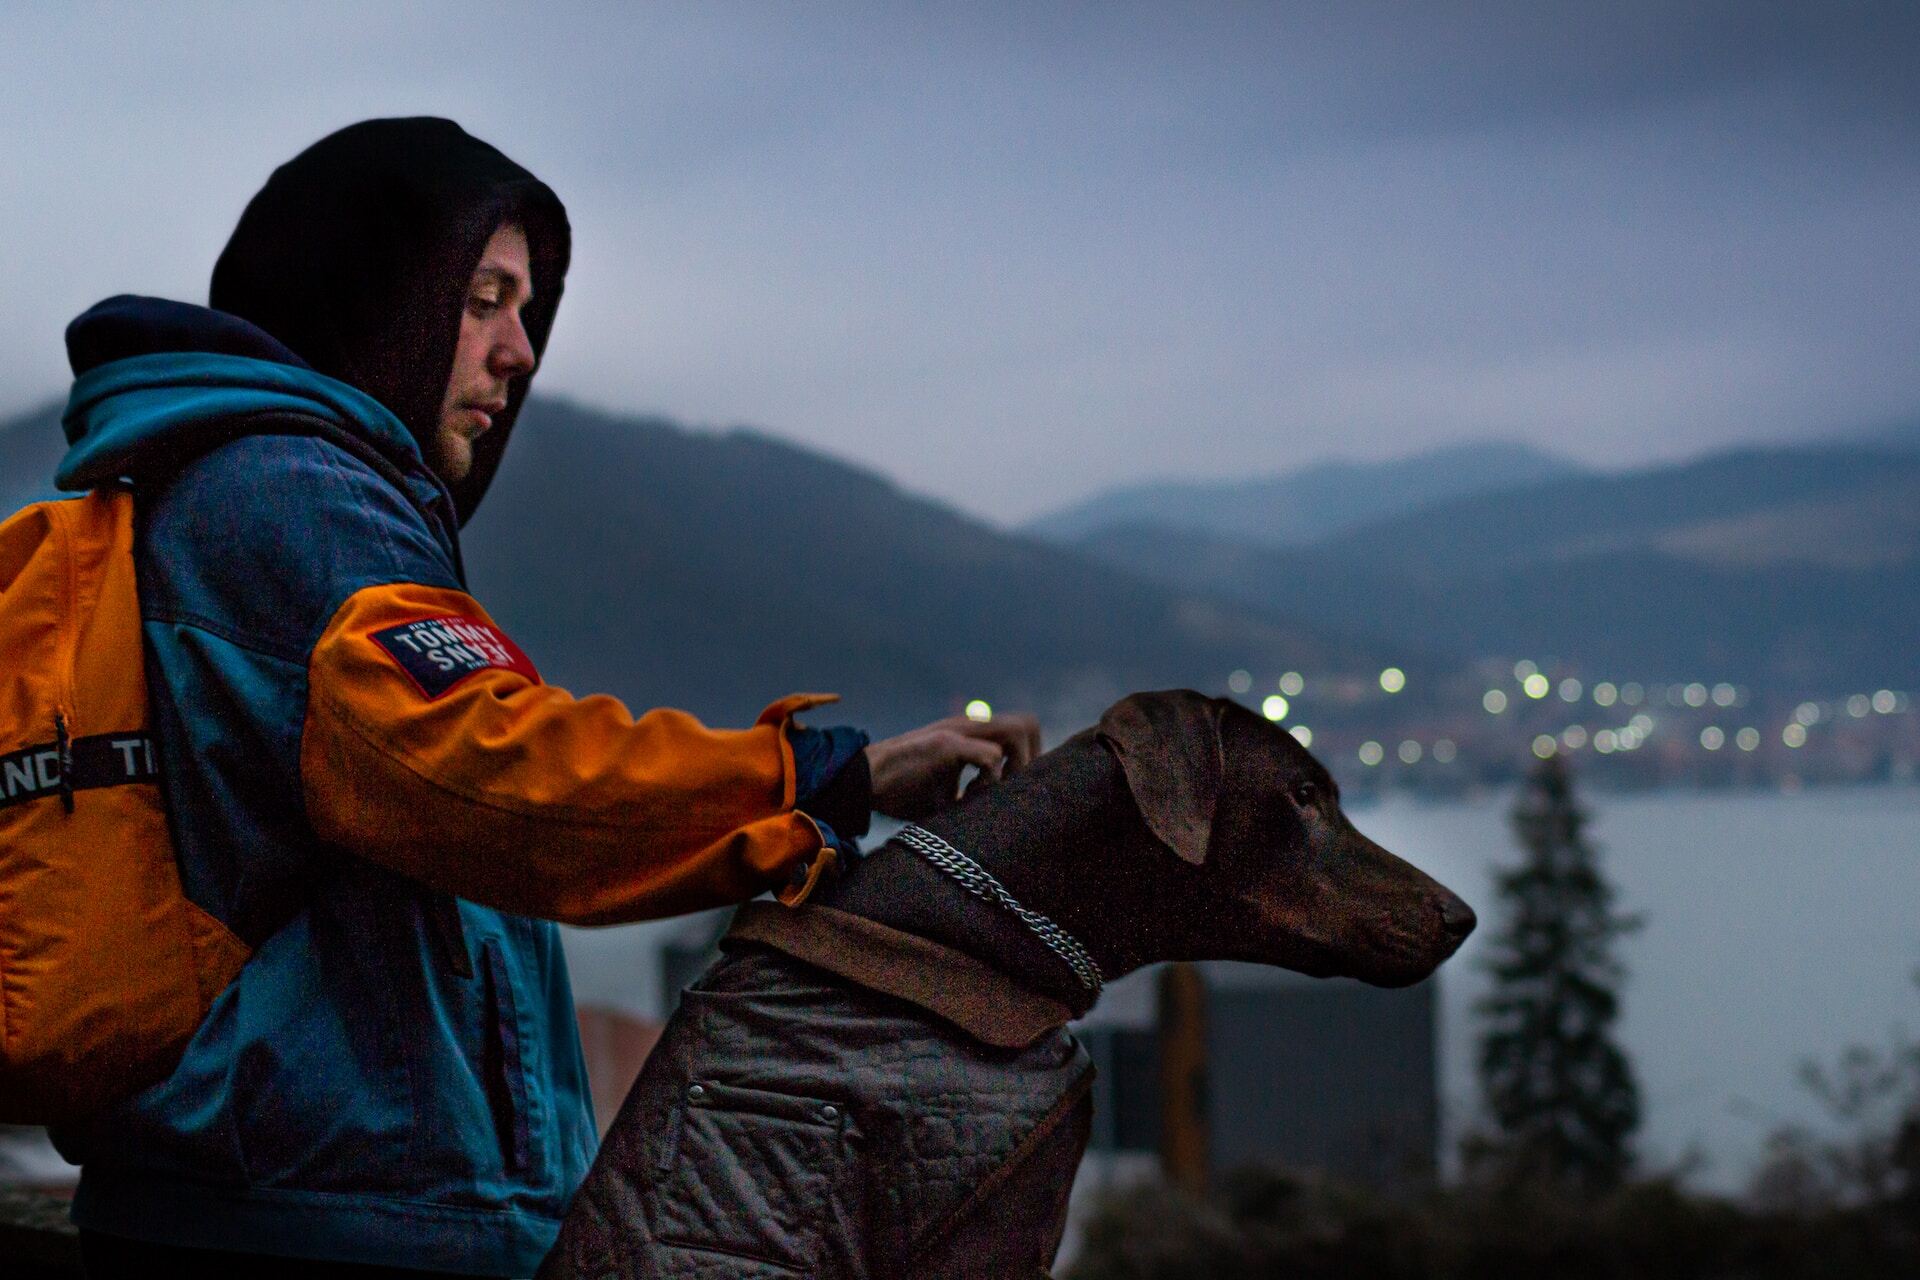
794 1122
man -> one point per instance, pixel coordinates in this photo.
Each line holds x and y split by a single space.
367 782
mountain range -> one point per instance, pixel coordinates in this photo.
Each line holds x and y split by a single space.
1793 569
1313 502
715 571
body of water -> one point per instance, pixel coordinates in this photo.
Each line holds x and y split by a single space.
1777 928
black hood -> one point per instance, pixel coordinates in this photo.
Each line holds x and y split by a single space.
357 255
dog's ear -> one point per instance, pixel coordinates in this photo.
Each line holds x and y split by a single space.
1168 744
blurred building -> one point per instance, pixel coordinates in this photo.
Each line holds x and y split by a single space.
1331 1074
1310 1073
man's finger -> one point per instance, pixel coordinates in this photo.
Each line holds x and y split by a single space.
1029 738
983 754
1018 736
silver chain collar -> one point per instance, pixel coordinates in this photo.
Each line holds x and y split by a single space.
979 882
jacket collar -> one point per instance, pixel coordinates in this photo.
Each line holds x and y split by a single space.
160 380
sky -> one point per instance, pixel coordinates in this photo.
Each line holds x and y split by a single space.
1011 254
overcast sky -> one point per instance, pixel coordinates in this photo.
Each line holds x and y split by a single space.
1011 254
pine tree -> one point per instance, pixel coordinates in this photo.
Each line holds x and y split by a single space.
1560 1091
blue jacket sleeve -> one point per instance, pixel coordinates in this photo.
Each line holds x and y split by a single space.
832 784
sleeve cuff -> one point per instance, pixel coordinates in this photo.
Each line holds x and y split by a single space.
832 782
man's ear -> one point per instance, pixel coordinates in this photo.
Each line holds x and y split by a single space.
1168 744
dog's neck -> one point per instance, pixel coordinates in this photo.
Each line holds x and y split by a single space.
1065 840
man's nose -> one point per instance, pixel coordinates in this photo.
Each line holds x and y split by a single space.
512 355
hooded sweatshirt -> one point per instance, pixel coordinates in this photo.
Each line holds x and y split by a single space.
366 780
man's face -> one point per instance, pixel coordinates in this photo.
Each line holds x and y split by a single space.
493 347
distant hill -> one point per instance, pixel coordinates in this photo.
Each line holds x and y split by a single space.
30 448
718 571
1312 503
1819 505
1902 435
1790 568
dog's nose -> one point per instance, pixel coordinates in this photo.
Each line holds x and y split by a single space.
1457 918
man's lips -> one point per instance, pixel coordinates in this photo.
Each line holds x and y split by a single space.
482 414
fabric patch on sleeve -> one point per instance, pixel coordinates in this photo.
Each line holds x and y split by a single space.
438 653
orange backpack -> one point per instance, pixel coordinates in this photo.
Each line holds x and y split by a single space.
106 968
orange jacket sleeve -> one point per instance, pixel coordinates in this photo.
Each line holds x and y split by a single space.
431 747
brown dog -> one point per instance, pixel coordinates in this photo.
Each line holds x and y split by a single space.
880 1084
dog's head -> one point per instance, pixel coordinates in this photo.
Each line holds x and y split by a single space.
1284 877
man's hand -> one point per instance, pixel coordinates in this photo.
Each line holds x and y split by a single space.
918 772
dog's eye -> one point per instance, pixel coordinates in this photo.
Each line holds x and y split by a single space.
1307 795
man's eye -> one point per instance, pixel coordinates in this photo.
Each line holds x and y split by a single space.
482 306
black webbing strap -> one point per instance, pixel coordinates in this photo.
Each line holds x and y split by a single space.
67 765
